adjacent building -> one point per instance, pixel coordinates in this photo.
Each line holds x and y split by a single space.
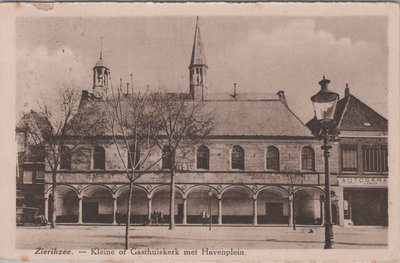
363 161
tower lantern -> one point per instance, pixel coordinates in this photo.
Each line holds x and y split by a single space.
101 74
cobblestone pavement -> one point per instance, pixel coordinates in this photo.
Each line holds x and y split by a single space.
197 237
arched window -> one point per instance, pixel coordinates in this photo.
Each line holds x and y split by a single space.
203 157
166 161
307 159
99 158
133 155
65 158
272 158
237 157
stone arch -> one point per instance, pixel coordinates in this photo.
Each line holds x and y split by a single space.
126 188
97 204
139 204
160 201
237 205
321 191
66 203
308 205
245 187
198 200
273 205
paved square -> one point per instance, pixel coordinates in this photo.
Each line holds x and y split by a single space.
197 237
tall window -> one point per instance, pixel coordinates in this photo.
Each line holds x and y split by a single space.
99 158
203 156
166 153
384 152
133 155
237 157
272 158
375 159
65 158
349 157
307 159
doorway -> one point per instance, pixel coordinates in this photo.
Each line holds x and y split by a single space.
274 213
180 213
90 211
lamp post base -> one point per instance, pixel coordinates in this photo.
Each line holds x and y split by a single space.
329 243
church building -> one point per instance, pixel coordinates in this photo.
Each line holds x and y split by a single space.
261 164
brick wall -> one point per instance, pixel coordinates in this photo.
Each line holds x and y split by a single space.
220 152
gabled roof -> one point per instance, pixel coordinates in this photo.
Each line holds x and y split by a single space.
198 55
36 121
354 115
237 118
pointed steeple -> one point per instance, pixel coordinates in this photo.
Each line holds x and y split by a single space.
198 55
198 67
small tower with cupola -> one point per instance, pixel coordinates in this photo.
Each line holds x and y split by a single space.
101 74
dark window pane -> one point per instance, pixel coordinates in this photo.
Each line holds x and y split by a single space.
272 158
133 155
65 158
372 162
166 162
203 158
349 158
385 159
99 158
307 159
237 157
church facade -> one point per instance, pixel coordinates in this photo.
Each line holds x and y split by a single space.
261 164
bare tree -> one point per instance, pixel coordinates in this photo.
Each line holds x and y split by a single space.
131 124
182 122
61 132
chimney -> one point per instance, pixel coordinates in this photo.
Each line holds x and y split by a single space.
234 90
282 98
347 90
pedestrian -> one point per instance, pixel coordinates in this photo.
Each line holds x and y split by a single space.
155 217
203 215
161 217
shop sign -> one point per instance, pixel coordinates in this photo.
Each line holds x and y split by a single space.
363 182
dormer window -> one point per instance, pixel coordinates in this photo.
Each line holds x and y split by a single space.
367 124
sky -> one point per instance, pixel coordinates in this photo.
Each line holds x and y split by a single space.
261 54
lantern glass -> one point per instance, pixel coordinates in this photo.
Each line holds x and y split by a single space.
325 111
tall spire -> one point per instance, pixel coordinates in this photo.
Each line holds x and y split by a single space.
198 67
198 56
101 47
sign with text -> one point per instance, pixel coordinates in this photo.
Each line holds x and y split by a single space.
363 182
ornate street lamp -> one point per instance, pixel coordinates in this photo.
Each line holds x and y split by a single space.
324 103
210 194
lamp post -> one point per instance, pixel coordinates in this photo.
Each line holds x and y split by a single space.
210 194
324 103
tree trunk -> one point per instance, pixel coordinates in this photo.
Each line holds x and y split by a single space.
53 201
128 214
172 201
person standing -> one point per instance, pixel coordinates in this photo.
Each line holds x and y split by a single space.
155 217
161 217
203 215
